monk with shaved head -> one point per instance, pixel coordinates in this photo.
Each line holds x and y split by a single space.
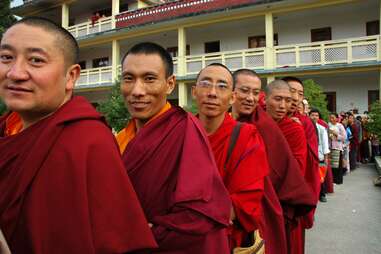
63 187
238 150
291 190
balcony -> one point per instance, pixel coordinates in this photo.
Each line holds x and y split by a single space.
248 58
355 50
176 9
83 29
95 77
328 52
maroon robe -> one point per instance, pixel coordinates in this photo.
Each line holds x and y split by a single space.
172 169
291 189
243 175
312 175
63 188
296 138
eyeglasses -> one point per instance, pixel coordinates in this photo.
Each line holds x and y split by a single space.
245 91
207 85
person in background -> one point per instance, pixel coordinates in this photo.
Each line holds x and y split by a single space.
323 151
337 136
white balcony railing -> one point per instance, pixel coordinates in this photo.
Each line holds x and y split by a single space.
248 58
328 52
86 28
95 77
300 55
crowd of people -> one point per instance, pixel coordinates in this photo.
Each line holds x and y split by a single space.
245 181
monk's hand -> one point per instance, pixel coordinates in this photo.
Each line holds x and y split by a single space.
295 119
232 215
150 225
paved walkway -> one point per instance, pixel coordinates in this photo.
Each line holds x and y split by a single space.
350 222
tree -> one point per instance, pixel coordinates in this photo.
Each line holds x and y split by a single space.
374 123
192 108
2 108
315 97
114 109
6 18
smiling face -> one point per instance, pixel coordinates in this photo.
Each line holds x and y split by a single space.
213 92
247 88
144 85
34 80
277 103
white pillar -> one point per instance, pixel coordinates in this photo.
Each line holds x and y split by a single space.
115 7
269 52
115 60
65 15
181 66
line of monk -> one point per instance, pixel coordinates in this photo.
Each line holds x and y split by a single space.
218 182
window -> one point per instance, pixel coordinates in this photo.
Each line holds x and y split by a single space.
372 27
373 96
321 34
82 64
260 41
100 62
211 47
175 52
123 7
331 101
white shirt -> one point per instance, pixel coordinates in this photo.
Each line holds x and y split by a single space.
323 141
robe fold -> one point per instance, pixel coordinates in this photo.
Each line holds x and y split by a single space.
243 174
296 138
172 169
312 174
290 187
63 187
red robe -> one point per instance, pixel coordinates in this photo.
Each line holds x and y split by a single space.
243 174
296 138
172 169
291 189
312 175
63 187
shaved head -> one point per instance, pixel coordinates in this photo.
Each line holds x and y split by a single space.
276 85
64 40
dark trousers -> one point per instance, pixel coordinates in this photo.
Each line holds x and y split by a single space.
323 189
338 172
375 152
353 157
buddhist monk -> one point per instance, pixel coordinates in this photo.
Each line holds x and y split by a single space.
238 149
286 178
169 160
312 174
278 99
63 186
